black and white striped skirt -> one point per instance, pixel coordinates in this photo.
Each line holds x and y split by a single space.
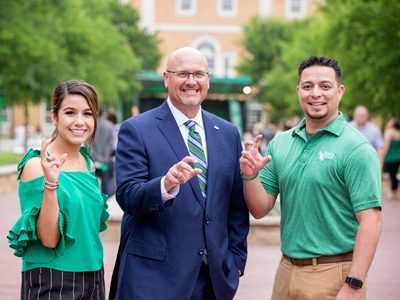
50 284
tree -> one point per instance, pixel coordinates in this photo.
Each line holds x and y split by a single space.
274 50
262 42
365 38
142 43
44 42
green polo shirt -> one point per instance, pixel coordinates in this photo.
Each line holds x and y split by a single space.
322 182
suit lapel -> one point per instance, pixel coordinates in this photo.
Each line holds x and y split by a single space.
213 155
167 125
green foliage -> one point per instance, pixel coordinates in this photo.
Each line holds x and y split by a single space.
44 42
273 62
143 43
283 78
263 41
364 36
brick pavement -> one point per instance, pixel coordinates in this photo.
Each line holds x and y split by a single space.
262 261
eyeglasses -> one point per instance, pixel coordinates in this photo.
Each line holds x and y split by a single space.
185 75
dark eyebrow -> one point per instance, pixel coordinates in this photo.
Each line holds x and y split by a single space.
309 82
68 108
305 82
71 108
327 81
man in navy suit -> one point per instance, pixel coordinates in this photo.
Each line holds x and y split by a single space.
180 240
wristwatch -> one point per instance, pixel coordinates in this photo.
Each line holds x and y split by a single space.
354 282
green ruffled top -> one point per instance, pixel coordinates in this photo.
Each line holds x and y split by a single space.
82 216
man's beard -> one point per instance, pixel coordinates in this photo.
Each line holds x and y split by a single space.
316 117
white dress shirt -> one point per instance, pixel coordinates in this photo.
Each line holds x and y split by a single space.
180 119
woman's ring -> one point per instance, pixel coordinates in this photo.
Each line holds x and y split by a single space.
243 152
48 158
175 173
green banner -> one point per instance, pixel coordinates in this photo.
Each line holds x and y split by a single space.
235 114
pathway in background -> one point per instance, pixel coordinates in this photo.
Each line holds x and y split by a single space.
260 270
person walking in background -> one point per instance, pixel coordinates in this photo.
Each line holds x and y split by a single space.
63 211
370 130
328 178
269 132
392 153
185 223
112 117
102 150
267 135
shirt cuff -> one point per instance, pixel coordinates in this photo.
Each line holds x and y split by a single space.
165 196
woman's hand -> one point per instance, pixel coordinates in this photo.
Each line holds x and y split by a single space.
50 164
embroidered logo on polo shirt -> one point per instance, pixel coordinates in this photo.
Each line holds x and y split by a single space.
325 154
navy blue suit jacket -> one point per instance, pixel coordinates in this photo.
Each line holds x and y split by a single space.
160 249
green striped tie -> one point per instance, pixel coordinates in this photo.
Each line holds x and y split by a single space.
196 151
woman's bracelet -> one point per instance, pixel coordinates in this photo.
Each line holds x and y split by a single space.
248 179
49 185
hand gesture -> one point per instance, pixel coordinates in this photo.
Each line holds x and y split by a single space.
180 173
251 161
50 164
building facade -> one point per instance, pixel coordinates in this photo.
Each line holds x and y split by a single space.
212 26
215 28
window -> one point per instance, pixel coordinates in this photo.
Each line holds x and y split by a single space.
185 7
227 5
186 4
295 9
209 53
296 6
227 8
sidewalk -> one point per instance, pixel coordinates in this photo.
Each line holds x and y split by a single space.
384 276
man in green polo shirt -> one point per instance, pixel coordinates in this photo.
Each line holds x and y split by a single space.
328 178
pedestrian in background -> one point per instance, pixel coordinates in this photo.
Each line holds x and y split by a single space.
102 151
63 211
328 178
392 153
369 129
112 117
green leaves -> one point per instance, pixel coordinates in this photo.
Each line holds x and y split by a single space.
44 42
364 36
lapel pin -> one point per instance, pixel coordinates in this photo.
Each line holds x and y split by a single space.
216 127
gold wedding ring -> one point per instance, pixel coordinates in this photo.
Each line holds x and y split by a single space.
175 173
243 152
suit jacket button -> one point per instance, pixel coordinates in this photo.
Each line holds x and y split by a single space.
201 251
207 221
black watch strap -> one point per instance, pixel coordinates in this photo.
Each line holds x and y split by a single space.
354 282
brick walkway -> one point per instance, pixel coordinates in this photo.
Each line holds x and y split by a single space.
262 260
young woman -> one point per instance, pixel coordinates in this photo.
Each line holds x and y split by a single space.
392 153
62 208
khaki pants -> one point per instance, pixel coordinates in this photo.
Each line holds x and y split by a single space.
315 282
